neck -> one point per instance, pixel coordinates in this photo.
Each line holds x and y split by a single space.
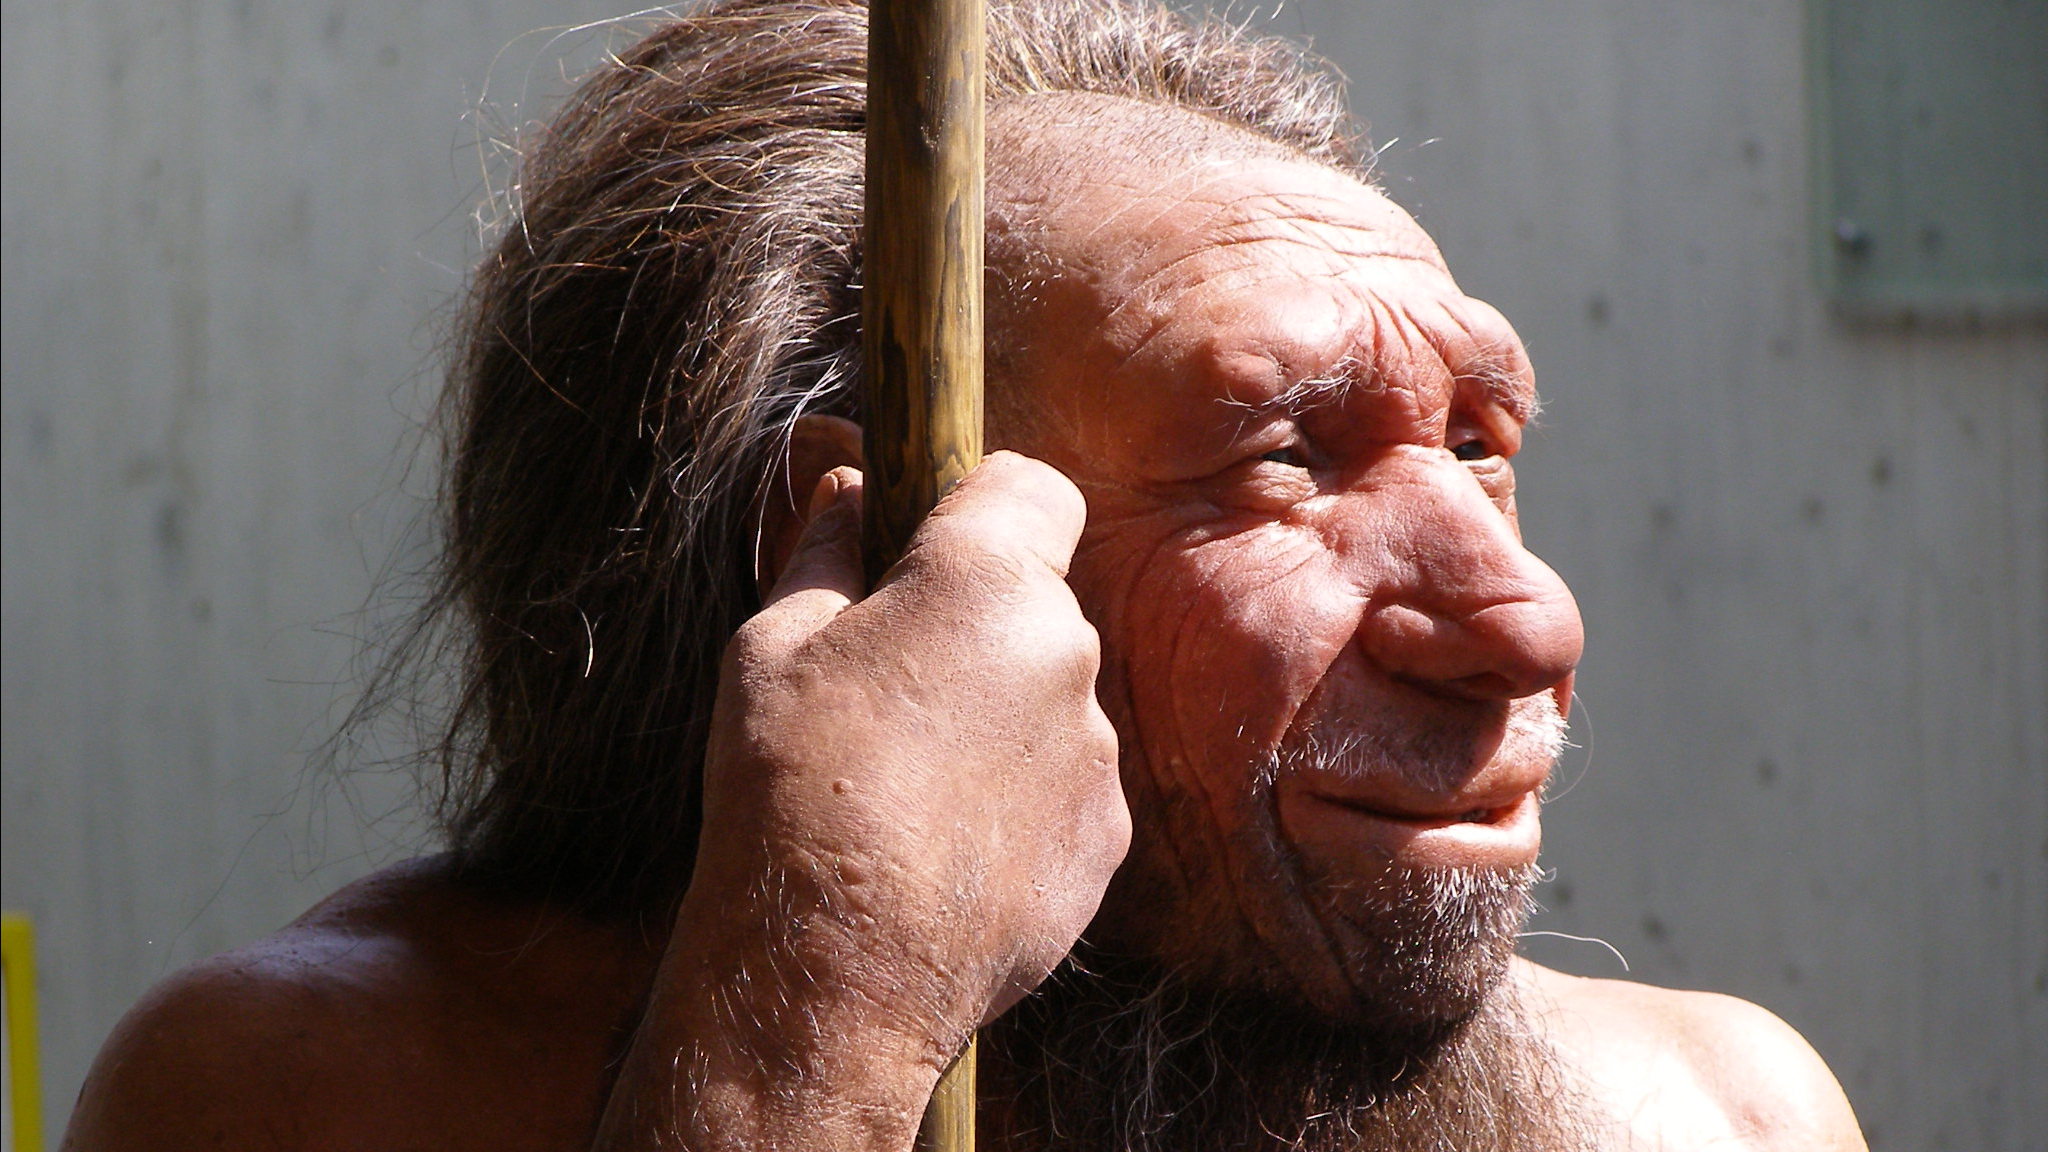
1120 1056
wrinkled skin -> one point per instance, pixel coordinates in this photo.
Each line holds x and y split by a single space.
912 802
1275 564
855 915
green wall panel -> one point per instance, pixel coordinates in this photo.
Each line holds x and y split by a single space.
1931 124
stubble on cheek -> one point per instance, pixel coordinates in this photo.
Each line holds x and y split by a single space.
1417 945
1207 888
1226 900
1216 697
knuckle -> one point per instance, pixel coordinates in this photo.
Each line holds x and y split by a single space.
1084 641
1055 650
1044 486
1074 648
1025 503
1108 747
764 637
1114 838
965 558
750 642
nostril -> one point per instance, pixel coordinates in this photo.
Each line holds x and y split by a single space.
1537 641
1503 651
1486 686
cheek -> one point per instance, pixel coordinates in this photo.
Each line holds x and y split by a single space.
1213 645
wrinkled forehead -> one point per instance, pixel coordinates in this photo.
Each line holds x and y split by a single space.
1219 234
1220 260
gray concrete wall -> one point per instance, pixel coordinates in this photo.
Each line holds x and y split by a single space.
231 227
1813 558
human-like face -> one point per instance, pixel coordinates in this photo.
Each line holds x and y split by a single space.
1331 662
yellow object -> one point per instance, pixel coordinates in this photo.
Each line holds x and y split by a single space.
949 1118
24 1087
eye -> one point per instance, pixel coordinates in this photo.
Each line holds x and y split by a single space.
1291 457
1470 450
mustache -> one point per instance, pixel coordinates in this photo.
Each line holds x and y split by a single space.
1365 748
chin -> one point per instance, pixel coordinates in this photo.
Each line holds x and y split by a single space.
1262 974
1422 948
1405 949
1368 872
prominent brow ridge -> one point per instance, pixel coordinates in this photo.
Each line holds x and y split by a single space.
1500 385
1307 394
1495 380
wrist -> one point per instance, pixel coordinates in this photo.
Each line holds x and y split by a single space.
770 1026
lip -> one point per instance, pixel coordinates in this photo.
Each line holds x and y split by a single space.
1339 831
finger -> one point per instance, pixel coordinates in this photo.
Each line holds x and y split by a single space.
1010 504
824 573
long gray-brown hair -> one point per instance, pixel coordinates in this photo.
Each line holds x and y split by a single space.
677 282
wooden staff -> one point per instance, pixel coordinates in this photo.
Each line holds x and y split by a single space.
921 317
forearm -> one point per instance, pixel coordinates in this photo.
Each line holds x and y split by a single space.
765 1030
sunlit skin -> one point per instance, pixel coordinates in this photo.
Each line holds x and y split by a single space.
1294 433
1275 488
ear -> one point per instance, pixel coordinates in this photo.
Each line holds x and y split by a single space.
817 445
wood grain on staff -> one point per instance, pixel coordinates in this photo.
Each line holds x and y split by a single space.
921 297
921 318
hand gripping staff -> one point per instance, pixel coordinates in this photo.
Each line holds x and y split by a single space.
921 318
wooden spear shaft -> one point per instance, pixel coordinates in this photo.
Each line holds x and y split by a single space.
921 300
921 317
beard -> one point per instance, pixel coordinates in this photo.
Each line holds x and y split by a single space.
1119 1053
1201 1037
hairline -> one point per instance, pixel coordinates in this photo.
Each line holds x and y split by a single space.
1019 257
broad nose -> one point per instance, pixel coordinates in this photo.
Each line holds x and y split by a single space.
1465 610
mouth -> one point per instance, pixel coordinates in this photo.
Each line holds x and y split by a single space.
1482 814
1485 832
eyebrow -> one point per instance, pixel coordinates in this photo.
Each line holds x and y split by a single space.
1320 390
1501 386
1304 395
1491 376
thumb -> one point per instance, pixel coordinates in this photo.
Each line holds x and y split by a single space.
824 573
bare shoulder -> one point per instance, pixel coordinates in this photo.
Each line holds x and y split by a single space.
219 1055
1693 1069
361 1024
